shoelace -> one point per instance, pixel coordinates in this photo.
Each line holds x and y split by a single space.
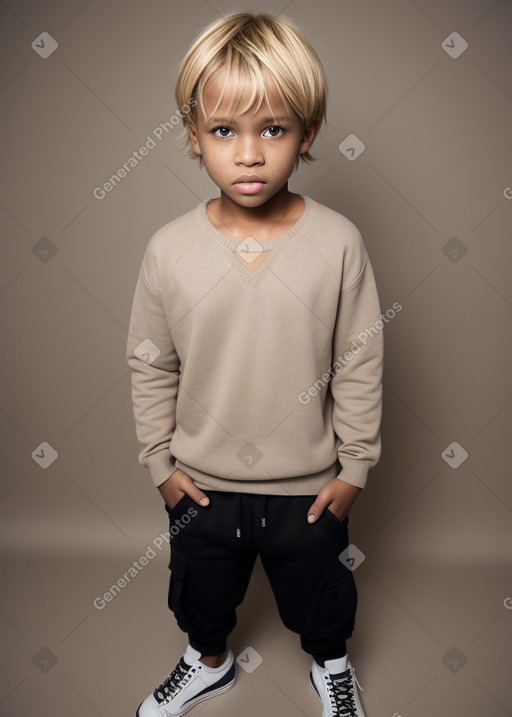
342 694
172 684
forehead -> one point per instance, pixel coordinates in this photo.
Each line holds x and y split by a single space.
222 83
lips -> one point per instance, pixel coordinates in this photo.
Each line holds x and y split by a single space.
249 178
249 184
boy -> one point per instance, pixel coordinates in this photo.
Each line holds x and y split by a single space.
258 409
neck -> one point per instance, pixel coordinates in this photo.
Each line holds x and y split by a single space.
273 211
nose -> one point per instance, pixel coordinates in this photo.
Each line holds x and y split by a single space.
248 151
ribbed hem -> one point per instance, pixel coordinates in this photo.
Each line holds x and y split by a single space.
310 484
160 467
354 471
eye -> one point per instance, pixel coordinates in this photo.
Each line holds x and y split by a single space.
224 131
275 130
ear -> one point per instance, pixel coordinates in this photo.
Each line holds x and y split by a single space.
308 137
194 140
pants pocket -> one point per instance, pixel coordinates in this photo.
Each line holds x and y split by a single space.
181 599
184 500
335 519
338 602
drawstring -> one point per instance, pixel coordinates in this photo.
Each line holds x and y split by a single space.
264 516
238 517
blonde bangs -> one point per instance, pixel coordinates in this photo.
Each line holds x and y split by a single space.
250 81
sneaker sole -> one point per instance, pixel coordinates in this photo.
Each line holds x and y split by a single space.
312 683
201 698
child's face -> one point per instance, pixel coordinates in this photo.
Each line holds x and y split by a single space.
249 145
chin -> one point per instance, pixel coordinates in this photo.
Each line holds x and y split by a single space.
248 198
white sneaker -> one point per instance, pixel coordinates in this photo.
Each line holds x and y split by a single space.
338 693
190 682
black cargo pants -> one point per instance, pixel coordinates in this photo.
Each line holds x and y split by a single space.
213 551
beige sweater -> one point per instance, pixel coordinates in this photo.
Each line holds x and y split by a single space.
265 382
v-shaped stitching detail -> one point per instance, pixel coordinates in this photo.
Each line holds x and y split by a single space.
254 277
277 244
244 257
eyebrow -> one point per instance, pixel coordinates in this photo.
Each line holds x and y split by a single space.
232 120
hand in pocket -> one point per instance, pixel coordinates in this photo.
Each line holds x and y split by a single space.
179 484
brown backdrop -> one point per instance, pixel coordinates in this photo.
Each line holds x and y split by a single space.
432 196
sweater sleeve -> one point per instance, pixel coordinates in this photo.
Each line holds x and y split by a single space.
357 383
155 374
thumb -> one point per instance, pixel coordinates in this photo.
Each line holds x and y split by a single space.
316 509
196 493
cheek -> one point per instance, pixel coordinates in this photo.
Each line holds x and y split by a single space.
285 160
287 151
217 158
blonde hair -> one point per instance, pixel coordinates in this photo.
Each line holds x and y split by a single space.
253 47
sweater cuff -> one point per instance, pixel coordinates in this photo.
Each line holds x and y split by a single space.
160 467
354 471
